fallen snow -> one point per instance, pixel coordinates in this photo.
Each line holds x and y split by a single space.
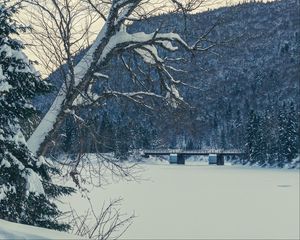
33 182
206 202
4 189
9 230
97 74
4 86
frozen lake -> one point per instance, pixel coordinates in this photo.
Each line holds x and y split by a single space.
208 202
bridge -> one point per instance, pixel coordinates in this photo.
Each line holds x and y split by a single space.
177 156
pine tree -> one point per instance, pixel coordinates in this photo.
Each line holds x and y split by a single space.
223 139
69 142
282 135
250 135
107 135
288 137
255 142
190 145
123 141
26 189
270 135
141 136
292 133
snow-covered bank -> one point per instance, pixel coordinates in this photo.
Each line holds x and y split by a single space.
9 231
294 164
206 202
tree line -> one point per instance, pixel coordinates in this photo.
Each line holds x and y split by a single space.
273 138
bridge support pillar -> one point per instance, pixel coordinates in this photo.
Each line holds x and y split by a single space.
176 159
180 159
220 159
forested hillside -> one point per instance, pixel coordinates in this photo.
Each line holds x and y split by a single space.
253 69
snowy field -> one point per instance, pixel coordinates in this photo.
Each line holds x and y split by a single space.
206 202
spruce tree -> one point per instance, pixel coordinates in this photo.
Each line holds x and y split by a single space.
123 141
288 136
255 142
270 135
190 145
250 136
282 135
223 139
26 191
143 138
107 134
69 136
288 133
292 133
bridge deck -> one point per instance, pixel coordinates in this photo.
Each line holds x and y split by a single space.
192 152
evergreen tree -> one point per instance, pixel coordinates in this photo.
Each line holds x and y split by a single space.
281 135
288 137
270 136
250 135
26 189
261 147
255 142
107 135
292 133
223 139
141 137
190 145
69 142
239 131
123 140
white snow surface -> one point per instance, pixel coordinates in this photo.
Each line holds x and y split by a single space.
4 86
33 182
9 230
200 201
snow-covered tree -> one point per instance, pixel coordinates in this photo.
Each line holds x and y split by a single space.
288 133
107 132
270 128
26 189
255 142
122 144
292 133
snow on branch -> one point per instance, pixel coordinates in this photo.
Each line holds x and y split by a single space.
33 182
124 40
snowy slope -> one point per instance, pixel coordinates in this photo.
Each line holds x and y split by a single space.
9 230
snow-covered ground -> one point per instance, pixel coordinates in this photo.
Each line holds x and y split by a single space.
11 231
197 201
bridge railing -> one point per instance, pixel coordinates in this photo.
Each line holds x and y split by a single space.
200 151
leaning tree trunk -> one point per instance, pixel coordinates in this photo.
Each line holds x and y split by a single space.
47 130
